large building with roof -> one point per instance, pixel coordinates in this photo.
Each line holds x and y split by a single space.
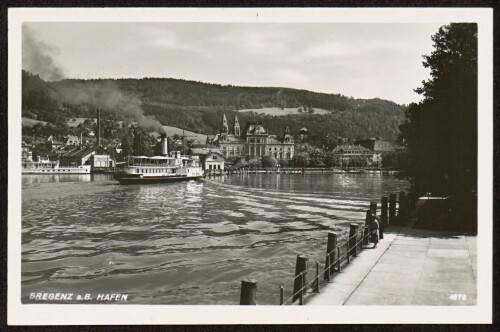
97 157
378 147
253 142
211 158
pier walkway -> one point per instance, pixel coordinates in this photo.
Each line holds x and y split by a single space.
408 267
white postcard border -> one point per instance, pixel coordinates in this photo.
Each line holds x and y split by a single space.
75 314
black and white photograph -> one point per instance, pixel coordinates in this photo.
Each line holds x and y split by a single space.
294 164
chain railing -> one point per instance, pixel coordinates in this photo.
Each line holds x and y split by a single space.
335 247
314 284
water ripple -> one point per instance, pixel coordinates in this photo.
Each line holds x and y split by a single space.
183 243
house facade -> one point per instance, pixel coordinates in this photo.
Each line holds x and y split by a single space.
76 157
253 142
71 140
26 152
98 158
102 161
348 153
213 161
211 158
378 147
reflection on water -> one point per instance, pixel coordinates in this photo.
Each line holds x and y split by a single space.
50 178
183 243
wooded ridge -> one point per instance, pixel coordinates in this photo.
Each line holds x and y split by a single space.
199 106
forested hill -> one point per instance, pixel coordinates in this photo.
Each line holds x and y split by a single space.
199 106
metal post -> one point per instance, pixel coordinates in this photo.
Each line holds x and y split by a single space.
330 253
248 292
300 277
282 295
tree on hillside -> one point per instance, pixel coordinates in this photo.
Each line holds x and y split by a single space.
441 130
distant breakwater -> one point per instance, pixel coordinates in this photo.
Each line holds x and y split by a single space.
299 170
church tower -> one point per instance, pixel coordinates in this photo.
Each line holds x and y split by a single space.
225 127
287 137
237 129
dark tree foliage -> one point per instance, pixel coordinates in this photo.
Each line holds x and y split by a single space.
441 130
269 161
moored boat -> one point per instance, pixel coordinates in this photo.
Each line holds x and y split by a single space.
159 169
52 167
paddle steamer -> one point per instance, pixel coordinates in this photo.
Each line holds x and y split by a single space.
158 169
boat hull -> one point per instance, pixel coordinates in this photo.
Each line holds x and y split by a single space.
130 179
58 171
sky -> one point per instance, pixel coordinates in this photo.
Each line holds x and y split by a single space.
358 60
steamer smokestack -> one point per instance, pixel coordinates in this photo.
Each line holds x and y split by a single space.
98 127
164 146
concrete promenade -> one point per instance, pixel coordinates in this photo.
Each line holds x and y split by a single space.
408 267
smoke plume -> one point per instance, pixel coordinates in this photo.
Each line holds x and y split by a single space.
107 95
38 56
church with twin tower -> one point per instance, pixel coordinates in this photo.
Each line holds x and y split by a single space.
253 142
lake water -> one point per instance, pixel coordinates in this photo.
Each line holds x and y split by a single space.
187 242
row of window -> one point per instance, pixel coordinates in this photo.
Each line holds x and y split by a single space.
281 149
57 170
252 140
355 152
233 148
153 170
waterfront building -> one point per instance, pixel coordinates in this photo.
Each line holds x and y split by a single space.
350 152
97 157
253 142
378 147
211 158
101 161
77 156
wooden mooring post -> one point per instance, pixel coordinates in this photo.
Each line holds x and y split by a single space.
373 207
368 220
331 254
402 208
383 215
392 209
248 292
353 238
300 279
339 260
316 279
